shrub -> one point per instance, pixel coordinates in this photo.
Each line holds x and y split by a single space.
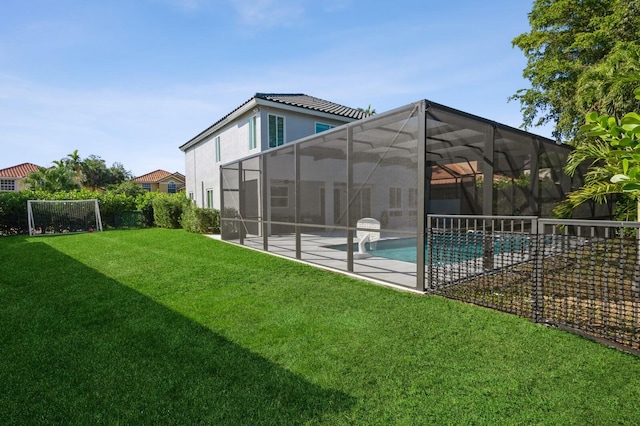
167 209
200 221
113 206
13 213
144 203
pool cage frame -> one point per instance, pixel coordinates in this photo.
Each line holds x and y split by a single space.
304 199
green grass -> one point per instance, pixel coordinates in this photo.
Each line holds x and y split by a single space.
165 327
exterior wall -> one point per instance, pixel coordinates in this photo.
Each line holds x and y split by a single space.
316 180
163 186
297 125
154 186
19 184
202 170
190 173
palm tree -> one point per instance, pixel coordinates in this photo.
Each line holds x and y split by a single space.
597 180
612 154
368 111
52 179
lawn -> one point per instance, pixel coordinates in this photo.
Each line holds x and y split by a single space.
165 327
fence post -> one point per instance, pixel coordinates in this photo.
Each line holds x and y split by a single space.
537 290
487 244
428 255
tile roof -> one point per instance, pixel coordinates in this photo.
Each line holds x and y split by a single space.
309 102
19 171
454 173
299 100
157 176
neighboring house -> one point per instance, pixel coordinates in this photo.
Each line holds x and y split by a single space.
12 178
265 121
161 181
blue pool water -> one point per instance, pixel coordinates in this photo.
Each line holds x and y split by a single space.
447 249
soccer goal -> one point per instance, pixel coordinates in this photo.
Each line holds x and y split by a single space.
55 217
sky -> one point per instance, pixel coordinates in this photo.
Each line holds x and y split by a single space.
132 80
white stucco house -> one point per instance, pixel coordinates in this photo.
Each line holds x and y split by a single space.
265 121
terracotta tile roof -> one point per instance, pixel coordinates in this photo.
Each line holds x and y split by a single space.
157 176
19 171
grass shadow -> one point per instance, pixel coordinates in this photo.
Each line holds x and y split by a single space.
77 347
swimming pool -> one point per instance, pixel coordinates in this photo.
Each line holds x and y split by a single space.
447 249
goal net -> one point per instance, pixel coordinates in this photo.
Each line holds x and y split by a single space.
54 217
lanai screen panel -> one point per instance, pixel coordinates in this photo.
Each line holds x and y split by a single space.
251 200
384 187
323 203
231 222
515 173
554 183
280 174
458 147
385 180
323 180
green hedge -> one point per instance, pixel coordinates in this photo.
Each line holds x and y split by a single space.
118 210
167 209
201 221
13 213
114 208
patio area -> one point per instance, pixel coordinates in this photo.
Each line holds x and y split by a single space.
320 250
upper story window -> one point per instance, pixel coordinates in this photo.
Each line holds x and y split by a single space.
7 185
253 135
217 143
171 187
321 127
276 130
146 186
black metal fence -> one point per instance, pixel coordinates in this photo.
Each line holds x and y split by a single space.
583 276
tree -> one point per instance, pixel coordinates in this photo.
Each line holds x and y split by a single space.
118 174
613 157
52 179
129 188
95 173
368 110
72 171
73 161
582 56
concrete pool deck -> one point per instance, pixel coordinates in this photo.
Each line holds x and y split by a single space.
316 251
